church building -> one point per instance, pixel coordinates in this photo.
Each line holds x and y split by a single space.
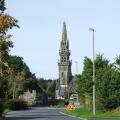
64 67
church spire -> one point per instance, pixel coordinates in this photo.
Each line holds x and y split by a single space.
64 64
64 32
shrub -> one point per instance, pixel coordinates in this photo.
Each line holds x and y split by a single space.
9 104
15 104
19 105
1 109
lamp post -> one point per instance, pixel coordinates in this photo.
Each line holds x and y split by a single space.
91 29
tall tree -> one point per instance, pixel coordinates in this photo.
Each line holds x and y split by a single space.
7 22
19 72
107 83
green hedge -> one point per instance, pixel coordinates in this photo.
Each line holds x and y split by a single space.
9 104
19 105
16 104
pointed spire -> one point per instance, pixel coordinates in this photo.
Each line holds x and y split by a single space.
64 32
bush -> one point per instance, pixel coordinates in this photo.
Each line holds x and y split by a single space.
16 104
60 105
19 105
1 109
9 104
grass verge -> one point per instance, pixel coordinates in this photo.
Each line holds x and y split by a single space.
100 115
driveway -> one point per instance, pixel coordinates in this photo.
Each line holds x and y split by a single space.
38 113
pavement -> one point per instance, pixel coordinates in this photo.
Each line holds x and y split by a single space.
39 113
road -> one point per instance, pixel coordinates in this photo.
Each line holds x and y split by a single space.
39 113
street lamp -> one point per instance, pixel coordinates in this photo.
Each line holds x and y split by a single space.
91 29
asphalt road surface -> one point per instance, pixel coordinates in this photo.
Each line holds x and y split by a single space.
39 113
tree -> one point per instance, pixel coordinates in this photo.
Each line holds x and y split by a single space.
5 44
7 22
2 5
48 86
18 74
107 77
19 66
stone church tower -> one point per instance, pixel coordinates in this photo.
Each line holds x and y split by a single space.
64 65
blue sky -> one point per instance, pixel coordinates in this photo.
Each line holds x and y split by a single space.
39 36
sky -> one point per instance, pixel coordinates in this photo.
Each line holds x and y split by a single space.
41 22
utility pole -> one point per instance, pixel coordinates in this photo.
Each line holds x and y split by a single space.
91 29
